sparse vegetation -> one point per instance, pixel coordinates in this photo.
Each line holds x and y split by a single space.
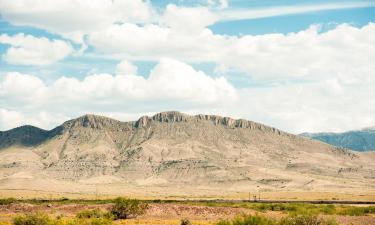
44 219
93 221
185 222
32 219
95 213
298 219
306 219
357 211
125 208
7 201
248 220
297 208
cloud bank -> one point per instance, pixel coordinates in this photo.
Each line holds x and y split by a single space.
308 80
170 82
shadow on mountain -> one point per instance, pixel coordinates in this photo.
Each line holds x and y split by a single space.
26 136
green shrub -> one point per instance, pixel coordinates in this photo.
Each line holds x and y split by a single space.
7 201
125 208
306 219
94 213
357 211
328 209
253 220
32 219
185 222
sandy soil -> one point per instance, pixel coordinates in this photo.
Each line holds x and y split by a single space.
144 193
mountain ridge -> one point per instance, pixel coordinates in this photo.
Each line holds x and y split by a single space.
170 150
357 140
98 121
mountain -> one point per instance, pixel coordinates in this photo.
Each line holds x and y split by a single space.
174 154
359 140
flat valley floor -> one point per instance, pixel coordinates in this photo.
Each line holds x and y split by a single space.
166 213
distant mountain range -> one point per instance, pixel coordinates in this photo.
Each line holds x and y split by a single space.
175 154
357 140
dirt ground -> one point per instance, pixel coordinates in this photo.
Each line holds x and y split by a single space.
145 194
160 213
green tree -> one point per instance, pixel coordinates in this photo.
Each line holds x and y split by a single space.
126 208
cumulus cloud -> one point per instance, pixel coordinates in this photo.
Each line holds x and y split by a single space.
326 105
30 50
151 42
170 82
344 51
329 104
180 18
73 19
319 80
10 119
126 67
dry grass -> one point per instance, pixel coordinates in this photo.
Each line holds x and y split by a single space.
354 195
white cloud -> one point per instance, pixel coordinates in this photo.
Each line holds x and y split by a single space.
152 42
10 119
170 82
174 79
181 18
327 105
30 50
344 51
126 67
308 80
74 18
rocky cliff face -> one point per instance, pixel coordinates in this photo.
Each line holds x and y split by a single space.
173 117
171 149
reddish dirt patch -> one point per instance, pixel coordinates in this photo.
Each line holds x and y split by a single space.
356 220
176 211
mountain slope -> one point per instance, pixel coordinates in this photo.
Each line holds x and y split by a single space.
23 136
361 140
171 150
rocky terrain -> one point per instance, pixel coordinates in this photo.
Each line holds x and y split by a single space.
358 140
172 153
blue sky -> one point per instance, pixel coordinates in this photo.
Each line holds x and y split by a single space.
269 61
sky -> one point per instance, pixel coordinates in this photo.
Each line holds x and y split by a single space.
300 66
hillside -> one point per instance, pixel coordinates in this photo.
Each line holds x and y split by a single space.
172 153
359 140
